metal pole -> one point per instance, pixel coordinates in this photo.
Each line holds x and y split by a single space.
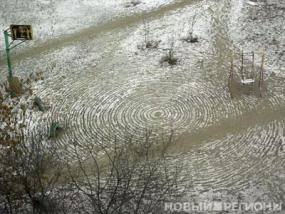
252 68
242 75
261 77
231 78
6 35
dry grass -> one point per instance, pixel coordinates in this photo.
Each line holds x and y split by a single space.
5 115
15 87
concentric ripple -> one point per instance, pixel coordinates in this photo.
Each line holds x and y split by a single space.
132 108
122 110
234 161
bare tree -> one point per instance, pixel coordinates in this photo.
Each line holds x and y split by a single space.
169 58
128 177
30 174
190 37
148 42
104 176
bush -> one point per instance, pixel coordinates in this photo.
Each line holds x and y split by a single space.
190 38
168 59
133 3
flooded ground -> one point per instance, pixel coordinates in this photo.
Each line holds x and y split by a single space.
99 82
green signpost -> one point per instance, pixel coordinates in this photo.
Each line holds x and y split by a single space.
7 48
16 32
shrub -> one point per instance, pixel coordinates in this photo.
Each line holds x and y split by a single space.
169 58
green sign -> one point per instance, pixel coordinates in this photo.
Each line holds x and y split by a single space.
16 32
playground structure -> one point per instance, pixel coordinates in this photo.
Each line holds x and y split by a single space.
246 78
